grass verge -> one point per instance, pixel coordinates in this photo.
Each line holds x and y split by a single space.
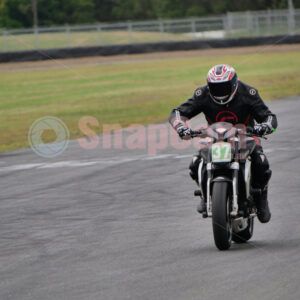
79 39
126 93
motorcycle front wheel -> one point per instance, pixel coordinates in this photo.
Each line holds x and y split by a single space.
221 208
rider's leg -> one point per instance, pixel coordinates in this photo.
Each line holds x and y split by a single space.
194 169
261 175
194 166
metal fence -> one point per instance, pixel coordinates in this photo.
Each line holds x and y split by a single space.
231 25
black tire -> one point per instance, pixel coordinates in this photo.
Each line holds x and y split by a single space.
245 235
222 227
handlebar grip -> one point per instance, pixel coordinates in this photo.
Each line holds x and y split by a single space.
250 130
195 133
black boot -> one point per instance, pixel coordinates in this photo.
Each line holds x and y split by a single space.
263 211
201 208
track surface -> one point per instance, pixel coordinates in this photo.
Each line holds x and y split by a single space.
84 226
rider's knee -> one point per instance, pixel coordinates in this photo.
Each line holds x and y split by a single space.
267 176
261 173
194 165
260 159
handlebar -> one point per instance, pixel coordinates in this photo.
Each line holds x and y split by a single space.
249 132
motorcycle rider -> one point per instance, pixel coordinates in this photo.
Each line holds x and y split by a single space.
227 99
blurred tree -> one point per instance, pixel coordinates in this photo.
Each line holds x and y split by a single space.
103 10
19 13
66 12
132 10
173 8
82 11
15 13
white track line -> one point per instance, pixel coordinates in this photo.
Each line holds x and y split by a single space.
79 163
87 163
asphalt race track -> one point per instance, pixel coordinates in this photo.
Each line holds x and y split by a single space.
120 224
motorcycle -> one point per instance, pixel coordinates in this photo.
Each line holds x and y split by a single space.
224 178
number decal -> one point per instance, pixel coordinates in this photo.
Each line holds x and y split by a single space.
221 152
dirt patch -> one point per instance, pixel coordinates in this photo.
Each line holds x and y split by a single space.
67 63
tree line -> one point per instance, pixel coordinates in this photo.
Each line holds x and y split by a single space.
20 13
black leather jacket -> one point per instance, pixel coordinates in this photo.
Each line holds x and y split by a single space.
245 107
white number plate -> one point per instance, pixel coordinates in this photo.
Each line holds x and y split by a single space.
221 152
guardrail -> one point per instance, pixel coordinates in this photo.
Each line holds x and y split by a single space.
231 25
89 51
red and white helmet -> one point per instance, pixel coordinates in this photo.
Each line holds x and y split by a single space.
222 82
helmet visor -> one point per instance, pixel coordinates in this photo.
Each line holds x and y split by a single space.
222 89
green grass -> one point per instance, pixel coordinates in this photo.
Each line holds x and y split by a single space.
126 93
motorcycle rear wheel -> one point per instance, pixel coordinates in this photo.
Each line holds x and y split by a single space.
221 208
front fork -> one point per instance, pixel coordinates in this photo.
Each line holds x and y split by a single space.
235 166
208 190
